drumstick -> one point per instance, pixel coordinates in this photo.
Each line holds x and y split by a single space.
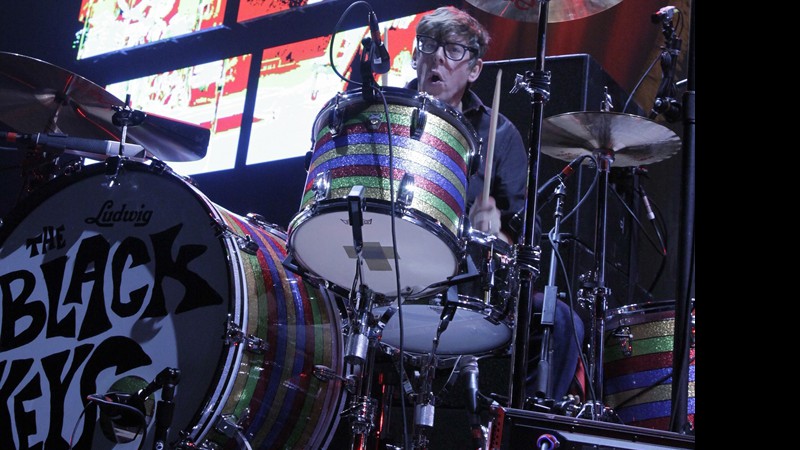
487 178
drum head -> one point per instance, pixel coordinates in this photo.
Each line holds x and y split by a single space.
470 332
104 286
108 282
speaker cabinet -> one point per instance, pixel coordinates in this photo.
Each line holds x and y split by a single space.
578 83
517 429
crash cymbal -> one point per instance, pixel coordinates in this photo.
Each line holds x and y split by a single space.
39 97
633 140
558 10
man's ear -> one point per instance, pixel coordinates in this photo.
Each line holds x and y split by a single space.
414 57
475 70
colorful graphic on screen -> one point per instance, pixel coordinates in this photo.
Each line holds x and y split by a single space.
296 81
211 95
113 25
253 9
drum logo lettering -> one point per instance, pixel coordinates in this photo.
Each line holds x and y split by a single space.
67 310
107 216
51 238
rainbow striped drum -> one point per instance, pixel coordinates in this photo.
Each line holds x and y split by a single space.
433 148
108 280
637 364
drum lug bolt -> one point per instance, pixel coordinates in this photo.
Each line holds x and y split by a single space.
234 335
374 122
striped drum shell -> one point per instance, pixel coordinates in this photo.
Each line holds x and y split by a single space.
637 370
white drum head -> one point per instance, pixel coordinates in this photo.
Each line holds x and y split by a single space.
325 243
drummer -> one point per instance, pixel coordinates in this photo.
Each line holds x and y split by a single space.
447 57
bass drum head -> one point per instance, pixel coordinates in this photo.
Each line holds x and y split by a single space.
107 282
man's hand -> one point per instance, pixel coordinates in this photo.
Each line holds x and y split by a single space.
484 216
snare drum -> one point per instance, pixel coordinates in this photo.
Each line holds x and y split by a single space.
483 319
637 364
433 148
108 281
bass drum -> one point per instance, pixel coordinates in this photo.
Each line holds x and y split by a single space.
110 281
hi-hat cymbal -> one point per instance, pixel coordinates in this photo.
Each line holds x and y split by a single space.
633 140
558 10
39 97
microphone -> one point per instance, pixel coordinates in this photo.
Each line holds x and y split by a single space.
378 55
123 416
565 173
664 14
355 207
470 372
62 142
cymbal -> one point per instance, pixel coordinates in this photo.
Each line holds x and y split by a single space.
558 10
39 97
633 140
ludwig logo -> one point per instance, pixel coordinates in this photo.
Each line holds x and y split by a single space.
107 216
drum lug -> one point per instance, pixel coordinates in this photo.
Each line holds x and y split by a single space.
374 122
418 119
254 344
322 185
245 243
405 194
624 335
227 425
337 118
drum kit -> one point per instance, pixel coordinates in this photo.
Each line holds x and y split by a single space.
126 280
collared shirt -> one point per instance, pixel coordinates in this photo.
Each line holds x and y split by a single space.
510 161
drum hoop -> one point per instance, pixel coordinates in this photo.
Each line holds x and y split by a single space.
640 313
408 97
383 207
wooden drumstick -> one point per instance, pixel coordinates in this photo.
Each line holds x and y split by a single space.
487 179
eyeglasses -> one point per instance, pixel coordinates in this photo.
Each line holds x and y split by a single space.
452 50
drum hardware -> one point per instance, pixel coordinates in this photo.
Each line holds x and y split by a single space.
118 424
543 387
235 336
610 138
360 348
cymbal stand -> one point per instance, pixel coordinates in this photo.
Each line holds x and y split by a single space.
537 84
600 293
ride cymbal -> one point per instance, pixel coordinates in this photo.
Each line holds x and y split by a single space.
558 10
39 97
633 140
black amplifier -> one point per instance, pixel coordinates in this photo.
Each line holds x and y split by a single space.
516 429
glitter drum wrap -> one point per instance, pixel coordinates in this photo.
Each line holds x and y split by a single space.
433 144
637 371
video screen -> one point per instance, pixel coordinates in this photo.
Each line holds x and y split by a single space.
113 25
210 95
296 81
250 9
